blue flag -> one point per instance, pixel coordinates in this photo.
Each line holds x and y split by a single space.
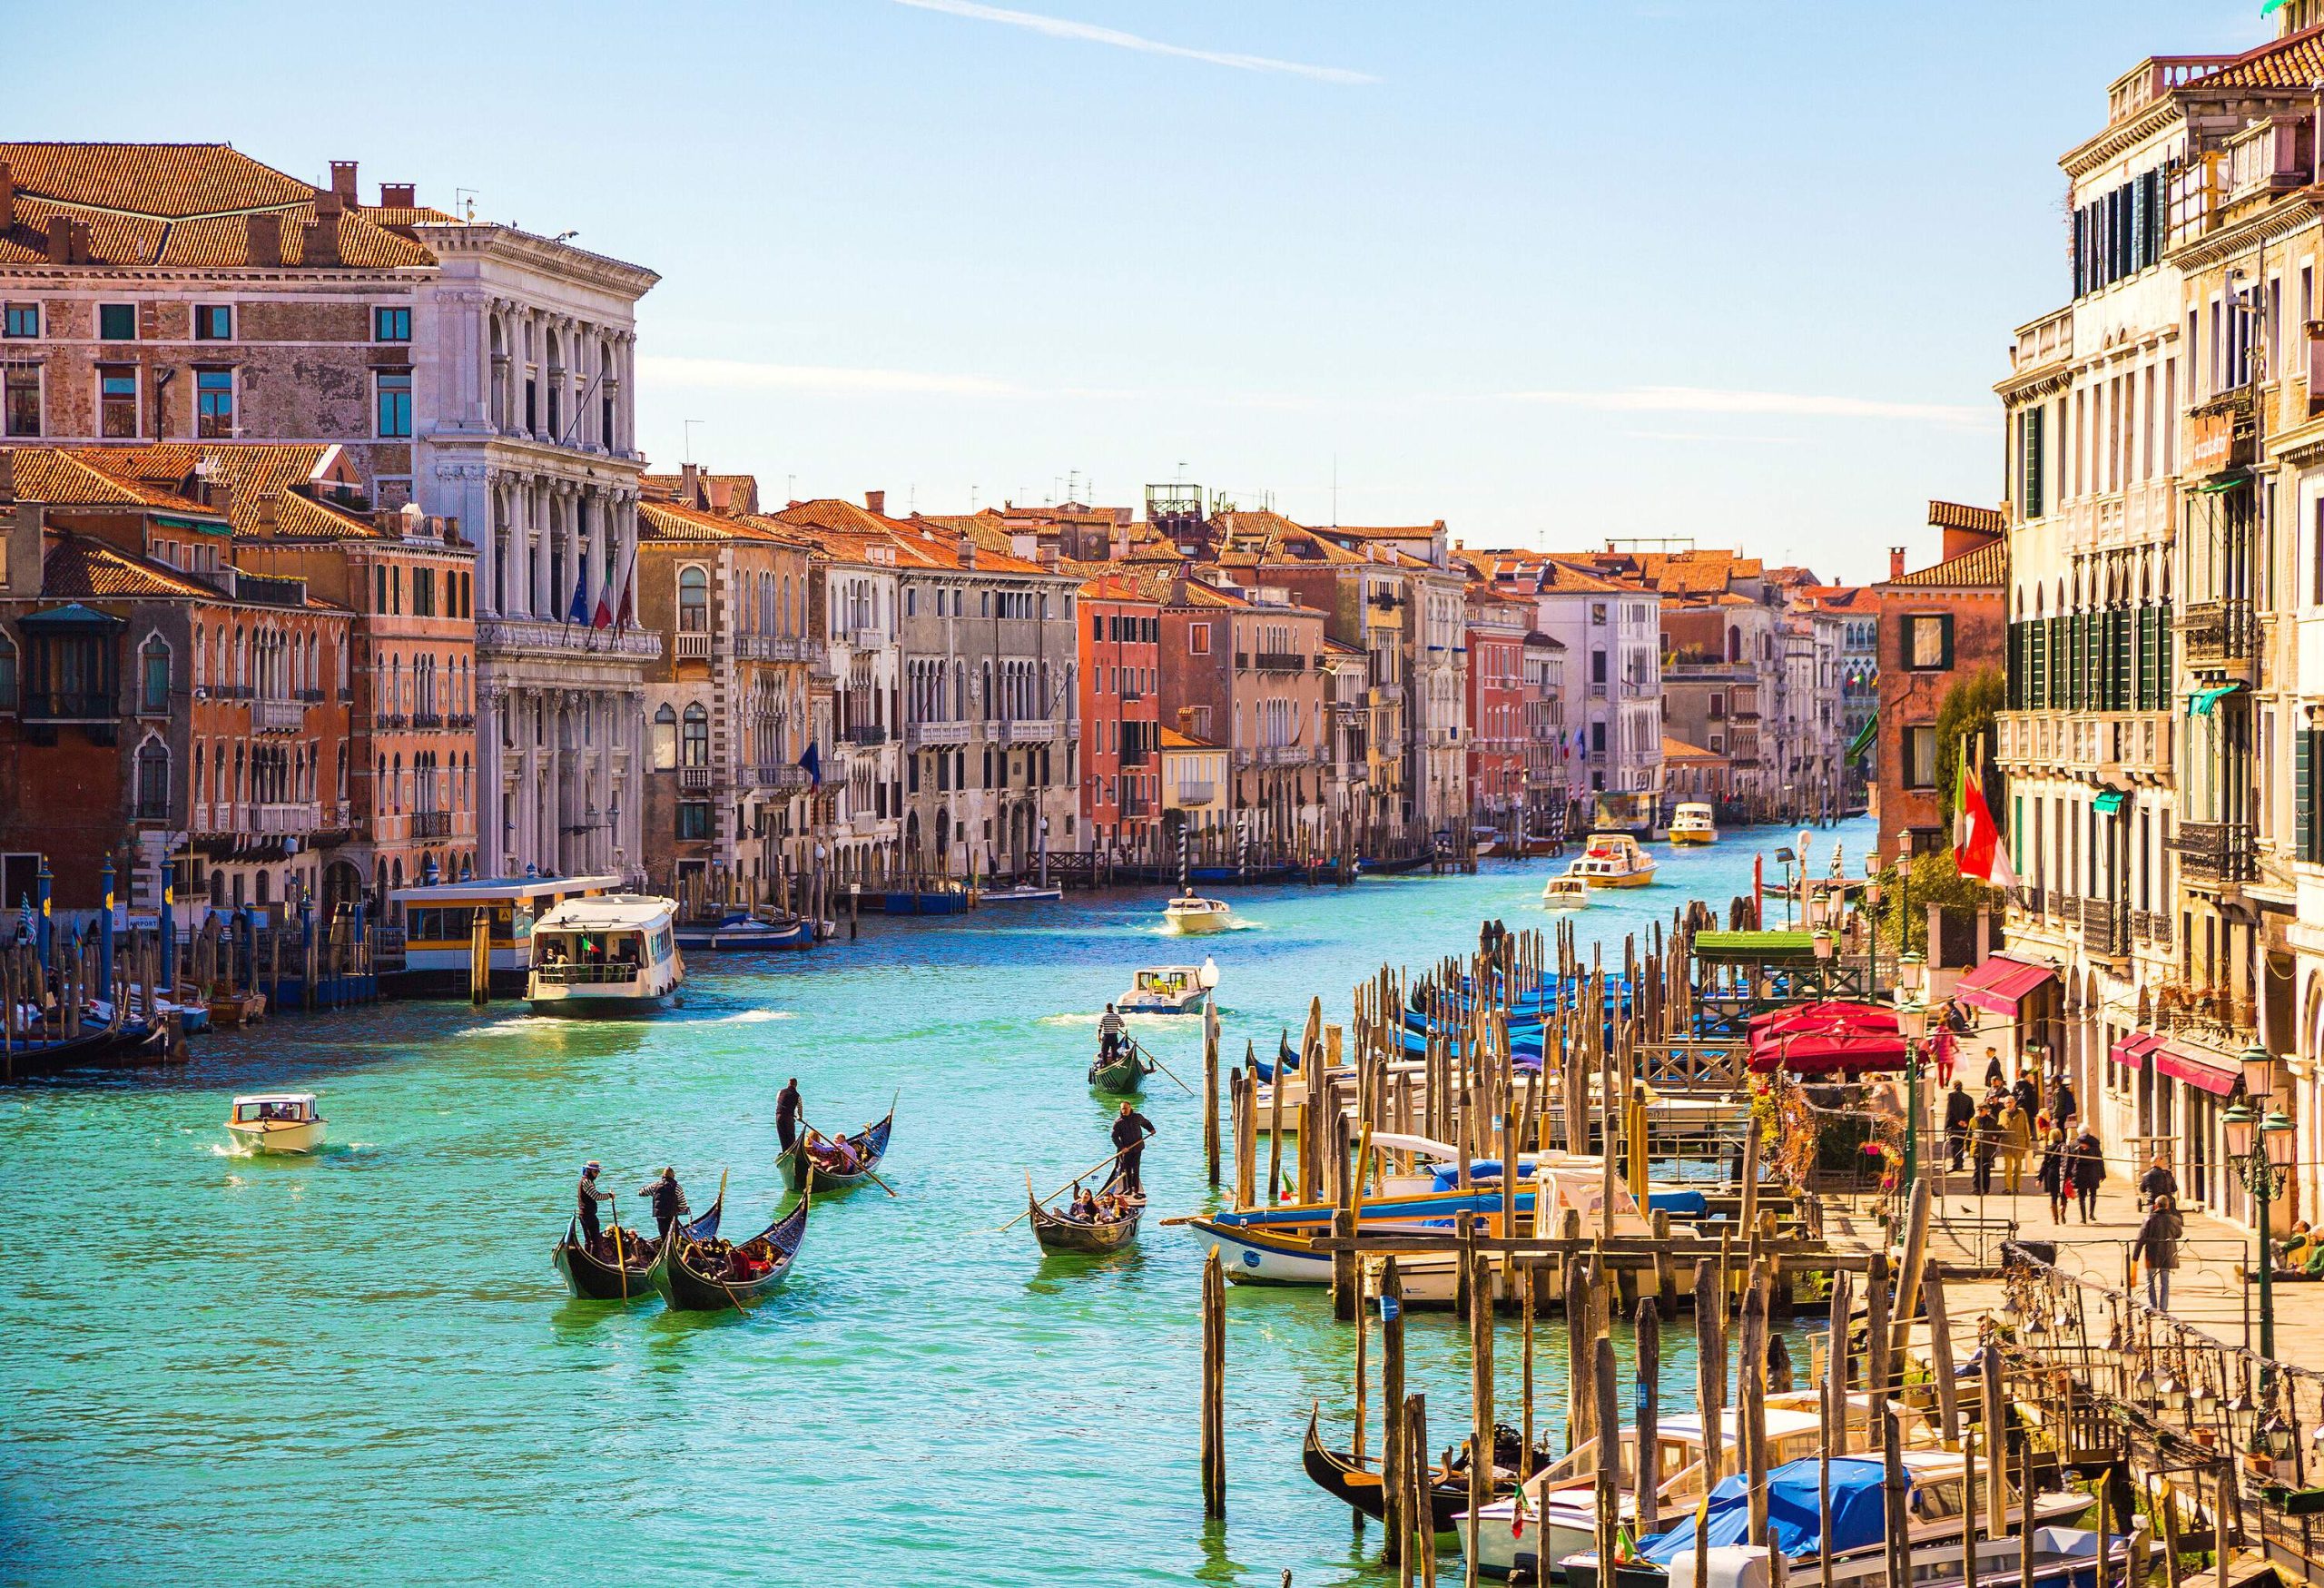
579 611
812 762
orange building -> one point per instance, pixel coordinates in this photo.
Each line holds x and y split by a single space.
1121 700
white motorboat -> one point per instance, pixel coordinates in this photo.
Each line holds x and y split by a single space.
276 1121
1695 824
1612 860
1023 894
1192 915
615 954
1168 989
1565 892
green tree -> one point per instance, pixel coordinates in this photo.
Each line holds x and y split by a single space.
1924 879
1967 710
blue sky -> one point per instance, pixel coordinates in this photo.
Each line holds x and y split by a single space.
1553 272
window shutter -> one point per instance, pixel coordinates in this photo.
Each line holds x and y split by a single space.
1944 632
2145 696
2076 248
2165 686
2303 794
2032 490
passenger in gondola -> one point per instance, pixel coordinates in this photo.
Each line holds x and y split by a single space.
592 1236
1130 1130
1084 1209
669 1201
786 1113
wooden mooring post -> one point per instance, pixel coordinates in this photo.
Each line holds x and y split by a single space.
1214 1386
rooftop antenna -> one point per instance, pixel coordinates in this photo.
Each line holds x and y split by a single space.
972 497
464 200
689 430
791 487
1335 491
1182 473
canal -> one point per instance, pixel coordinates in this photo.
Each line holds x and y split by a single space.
362 1366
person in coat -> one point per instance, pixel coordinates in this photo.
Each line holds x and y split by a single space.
2052 1177
2157 1181
669 1200
1960 1112
1985 1146
2158 1248
2016 1143
2089 1163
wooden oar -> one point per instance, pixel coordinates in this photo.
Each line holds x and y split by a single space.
1068 1185
809 1183
1158 1064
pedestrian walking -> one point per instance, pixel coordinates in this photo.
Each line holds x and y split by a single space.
1985 1147
1994 1075
2052 1175
1960 1113
2089 1174
1941 1046
2158 1248
2157 1181
2016 1143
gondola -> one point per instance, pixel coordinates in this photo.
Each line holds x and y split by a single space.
592 1278
691 1277
870 1145
1058 1233
1340 1476
1120 1075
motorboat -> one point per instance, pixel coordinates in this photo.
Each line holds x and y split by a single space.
1192 915
1565 892
1169 989
751 932
1694 824
1612 860
612 954
276 1121
1023 894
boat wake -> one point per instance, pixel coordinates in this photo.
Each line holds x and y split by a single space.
751 1017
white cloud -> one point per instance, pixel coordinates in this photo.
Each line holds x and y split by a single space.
1090 33
737 373
1703 399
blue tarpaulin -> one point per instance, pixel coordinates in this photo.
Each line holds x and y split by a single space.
1679 1204
1858 1512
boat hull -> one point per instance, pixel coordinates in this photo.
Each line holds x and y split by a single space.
591 1278
1683 838
1194 922
870 1145
293 1138
1338 1474
1122 1078
580 1003
684 1289
1254 1258
1066 1235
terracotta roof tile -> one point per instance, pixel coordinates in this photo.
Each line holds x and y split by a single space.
266 481
2294 62
1957 516
78 568
1988 566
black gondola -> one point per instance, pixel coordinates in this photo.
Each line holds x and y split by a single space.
869 1144
592 1278
703 1275
1340 1476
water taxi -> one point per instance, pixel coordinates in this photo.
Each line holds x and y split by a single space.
276 1121
1565 892
617 954
1613 860
1168 989
1192 915
1694 824
439 923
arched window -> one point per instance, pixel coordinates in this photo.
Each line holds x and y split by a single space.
154 676
153 781
693 599
694 737
665 739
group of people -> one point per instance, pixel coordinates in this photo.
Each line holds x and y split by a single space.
1102 1207
837 1154
668 1199
2009 1122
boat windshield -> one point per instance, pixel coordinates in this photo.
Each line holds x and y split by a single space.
587 947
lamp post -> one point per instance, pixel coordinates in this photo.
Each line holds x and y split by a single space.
1912 1021
1872 925
2260 1148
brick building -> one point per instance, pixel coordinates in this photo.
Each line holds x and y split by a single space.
1498 729
1938 625
1121 699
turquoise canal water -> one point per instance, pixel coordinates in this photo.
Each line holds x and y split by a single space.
364 1363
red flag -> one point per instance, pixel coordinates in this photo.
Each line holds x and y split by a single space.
1977 848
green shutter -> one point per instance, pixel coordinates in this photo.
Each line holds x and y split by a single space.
2165 684
2033 477
2145 697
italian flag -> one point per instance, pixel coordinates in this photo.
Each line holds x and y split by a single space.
1977 848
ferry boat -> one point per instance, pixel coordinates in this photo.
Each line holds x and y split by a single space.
1168 989
440 917
1192 915
1565 892
617 954
1613 860
276 1121
1694 824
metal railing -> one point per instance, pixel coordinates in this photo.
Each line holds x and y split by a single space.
866 733
570 974
2220 631
278 716
2216 851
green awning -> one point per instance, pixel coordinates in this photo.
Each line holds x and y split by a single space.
2272 7
2199 703
1865 737
2109 800
2229 483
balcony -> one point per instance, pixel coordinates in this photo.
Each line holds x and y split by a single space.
431 824
2218 854
2105 928
278 716
428 719
2152 927
777 777
1279 662
1135 804
68 705
866 733
1028 731
1187 795
920 735
1136 755
2220 634
771 648
284 817
693 779
2223 433
537 637
690 648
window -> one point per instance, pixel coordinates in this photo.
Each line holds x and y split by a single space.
395 403
1718 705
693 599
693 819
23 399
1920 756
1198 639
23 320
117 401
1928 642
117 322
390 325
7 675
213 404
665 739
213 322
694 743
152 782
153 677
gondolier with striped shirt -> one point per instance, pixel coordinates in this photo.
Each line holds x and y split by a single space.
591 1195
1130 1130
669 1201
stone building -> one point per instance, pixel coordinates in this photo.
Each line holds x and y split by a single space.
1241 665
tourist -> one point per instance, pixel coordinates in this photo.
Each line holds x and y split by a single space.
1995 1074
1130 1130
1109 1033
591 1195
669 1201
1960 1111
2028 1095
2053 1176
2016 1142
2157 1181
2158 1247
2089 1173
1085 1205
786 1113
2062 1102
1941 1046
1985 1145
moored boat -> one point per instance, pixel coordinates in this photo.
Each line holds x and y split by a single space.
1341 1476
613 955
831 1171
276 1121
1023 894
717 1276
1057 1232
591 1277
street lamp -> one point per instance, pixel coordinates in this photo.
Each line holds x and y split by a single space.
2260 1147
1911 1023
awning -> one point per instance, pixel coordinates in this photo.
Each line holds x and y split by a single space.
1841 1015
2197 1069
2000 984
1865 737
2132 1049
2226 482
2109 800
1829 1052
2199 703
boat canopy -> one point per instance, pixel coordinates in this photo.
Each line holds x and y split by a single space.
1858 1512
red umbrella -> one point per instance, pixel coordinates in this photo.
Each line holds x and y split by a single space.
1837 1014
1829 1052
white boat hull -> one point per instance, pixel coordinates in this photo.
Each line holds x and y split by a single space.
286 1136
1196 922
1264 1261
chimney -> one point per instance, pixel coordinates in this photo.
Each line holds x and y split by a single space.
7 196
399 195
266 511
876 501
342 182
60 240
1895 562
322 237
265 239
80 254
967 551
690 484
1187 721
1049 558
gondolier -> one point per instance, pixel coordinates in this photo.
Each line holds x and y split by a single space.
669 1201
591 1195
1130 1130
786 1113
1110 1032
